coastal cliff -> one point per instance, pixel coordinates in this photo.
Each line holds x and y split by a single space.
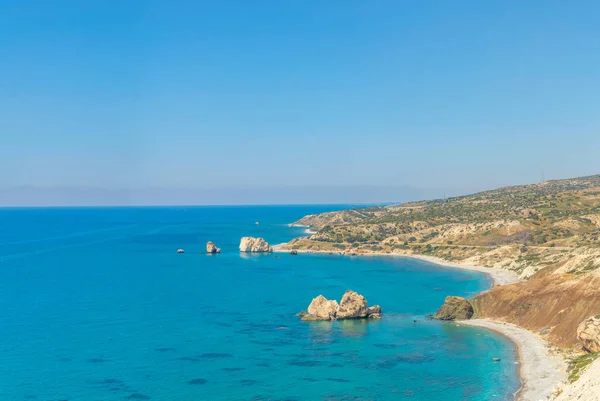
547 234
550 304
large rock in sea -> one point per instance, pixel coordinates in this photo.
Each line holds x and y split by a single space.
251 244
455 308
321 309
352 306
588 332
212 248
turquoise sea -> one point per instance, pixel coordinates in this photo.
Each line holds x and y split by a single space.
95 304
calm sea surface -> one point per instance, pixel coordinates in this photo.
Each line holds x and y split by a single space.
95 304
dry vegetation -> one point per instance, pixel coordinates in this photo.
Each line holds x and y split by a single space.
522 228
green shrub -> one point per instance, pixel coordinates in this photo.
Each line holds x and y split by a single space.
578 364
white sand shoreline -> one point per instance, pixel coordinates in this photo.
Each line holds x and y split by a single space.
540 372
498 276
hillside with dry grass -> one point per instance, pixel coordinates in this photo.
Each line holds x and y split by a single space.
547 233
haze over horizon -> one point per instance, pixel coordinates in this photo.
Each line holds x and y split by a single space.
115 103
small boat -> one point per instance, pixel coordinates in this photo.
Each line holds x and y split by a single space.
496 359
256 223
180 250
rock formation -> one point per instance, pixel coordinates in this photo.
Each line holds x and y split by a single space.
454 308
251 244
374 312
352 306
323 309
212 248
588 332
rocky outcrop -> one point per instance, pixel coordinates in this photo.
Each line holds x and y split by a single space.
454 308
352 306
251 244
323 309
212 248
374 312
588 332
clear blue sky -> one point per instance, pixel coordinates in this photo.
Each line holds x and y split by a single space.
192 94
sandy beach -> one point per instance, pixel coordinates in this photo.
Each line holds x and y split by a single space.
498 276
541 371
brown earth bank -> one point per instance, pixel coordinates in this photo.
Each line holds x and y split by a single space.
553 305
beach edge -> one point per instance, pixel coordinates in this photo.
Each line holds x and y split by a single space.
532 351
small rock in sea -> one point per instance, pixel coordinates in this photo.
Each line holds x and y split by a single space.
212 248
496 359
294 252
180 250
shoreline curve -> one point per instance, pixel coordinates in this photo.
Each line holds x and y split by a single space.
540 371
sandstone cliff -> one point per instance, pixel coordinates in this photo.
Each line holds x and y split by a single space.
554 304
588 333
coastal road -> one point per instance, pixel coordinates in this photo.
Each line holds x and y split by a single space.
359 213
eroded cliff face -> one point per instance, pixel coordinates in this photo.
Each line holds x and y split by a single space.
552 304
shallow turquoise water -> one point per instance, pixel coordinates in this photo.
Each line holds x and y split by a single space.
96 305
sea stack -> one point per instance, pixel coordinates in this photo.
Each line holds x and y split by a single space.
251 244
352 306
212 248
